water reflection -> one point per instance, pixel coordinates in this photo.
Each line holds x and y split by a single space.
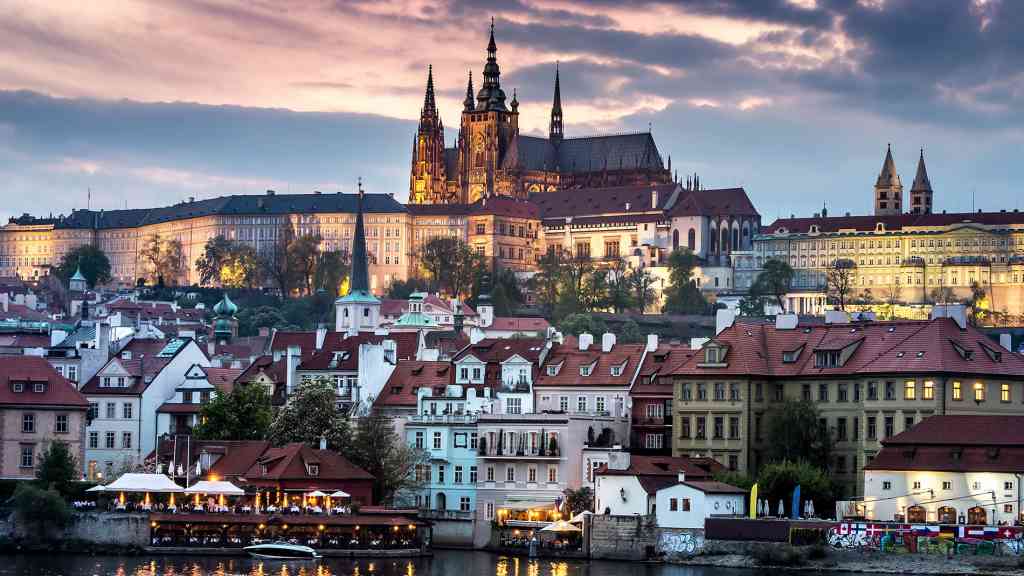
444 563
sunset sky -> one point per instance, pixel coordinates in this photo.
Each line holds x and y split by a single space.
149 102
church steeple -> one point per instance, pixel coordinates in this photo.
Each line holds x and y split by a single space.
555 133
359 309
888 188
360 263
921 191
467 104
491 96
428 174
429 103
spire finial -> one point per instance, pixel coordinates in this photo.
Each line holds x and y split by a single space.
555 132
359 183
429 103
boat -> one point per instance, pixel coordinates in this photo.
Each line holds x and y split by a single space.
281 551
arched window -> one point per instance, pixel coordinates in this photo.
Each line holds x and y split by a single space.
442 501
947 515
735 238
691 239
977 515
675 239
916 514
724 246
713 237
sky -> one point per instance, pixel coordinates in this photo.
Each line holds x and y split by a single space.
140 103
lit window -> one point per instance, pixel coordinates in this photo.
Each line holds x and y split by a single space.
957 390
910 390
979 392
928 392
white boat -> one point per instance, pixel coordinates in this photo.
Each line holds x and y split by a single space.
281 551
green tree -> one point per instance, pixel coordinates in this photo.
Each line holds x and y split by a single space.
642 284
506 295
332 268
629 333
451 265
58 468
250 320
242 414
303 254
273 261
546 283
576 324
227 263
777 480
734 478
402 289
163 260
796 434
619 287
377 449
309 415
752 305
40 509
773 282
682 296
90 259
579 500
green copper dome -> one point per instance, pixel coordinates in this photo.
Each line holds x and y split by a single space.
225 307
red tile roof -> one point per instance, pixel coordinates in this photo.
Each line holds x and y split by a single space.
655 372
501 349
276 371
144 364
22 312
694 468
956 444
59 391
305 340
222 378
410 375
289 463
504 206
902 346
896 222
24 340
570 359
598 201
406 344
963 430
514 324
714 487
722 202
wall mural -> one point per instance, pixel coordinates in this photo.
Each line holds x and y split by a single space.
928 539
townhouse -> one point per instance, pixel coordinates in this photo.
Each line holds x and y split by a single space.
201 384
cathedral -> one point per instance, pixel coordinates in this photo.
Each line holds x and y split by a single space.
491 157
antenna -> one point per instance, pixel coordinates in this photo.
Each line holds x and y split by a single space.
88 198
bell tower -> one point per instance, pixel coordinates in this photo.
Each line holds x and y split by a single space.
427 181
888 188
921 191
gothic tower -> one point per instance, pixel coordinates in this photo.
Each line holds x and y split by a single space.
486 131
555 133
427 181
921 191
888 188
359 310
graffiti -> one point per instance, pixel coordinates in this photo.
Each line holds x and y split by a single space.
927 539
674 543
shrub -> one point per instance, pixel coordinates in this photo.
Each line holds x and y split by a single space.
40 509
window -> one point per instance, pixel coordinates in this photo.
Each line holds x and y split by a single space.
685 432
186 396
531 474
979 392
890 425
702 391
719 427
126 411
552 474
928 391
908 422
653 441
947 485
313 469
464 503
419 440
28 423
655 410
437 441
490 473
111 410
872 390
599 403
826 359
734 391
686 504
73 373
108 440
687 392
917 485
840 429
27 457
734 462
440 473
719 391
734 427
856 391
958 393
514 405
94 411
563 403
759 392
673 504
581 403
823 392
872 432
805 392
701 427
94 439
886 485
890 391
472 440
910 390
461 440
1007 486
1004 392
60 425
126 440
510 473
490 510
842 393
458 474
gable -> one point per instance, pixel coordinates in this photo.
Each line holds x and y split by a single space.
515 359
114 368
195 372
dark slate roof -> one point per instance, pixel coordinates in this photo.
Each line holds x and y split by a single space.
270 204
725 201
618 151
896 222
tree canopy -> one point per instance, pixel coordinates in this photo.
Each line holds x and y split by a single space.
163 260
228 263
377 449
682 296
92 261
773 282
58 468
451 266
796 434
309 415
242 414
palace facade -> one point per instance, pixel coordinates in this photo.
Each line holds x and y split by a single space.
491 157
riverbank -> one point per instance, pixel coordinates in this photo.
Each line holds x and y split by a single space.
873 563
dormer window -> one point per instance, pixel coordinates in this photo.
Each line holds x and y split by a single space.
585 370
263 469
126 355
553 369
827 359
713 355
39 387
616 370
313 469
791 356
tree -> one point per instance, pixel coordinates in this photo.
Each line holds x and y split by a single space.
642 284
839 279
682 296
273 261
942 295
547 281
620 287
892 295
752 305
227 263
332 267
309 415
582 288
163 260
978 305
58 468
303 253
774 281
451 265
629 332
576 324
402 289
88 258
377 449
250 320
579 500
796 434
777 480
40 508
506 295
242 414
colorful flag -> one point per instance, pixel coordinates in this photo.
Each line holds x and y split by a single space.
795 510
753 501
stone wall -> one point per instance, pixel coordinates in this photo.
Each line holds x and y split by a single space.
679 543
121 529
622 537
452 533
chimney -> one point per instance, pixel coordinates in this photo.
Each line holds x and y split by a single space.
585 340
321 335
652 342
103 338
654 199
607 342
1006 341
836 317
291 364
958 312
682 476
211 348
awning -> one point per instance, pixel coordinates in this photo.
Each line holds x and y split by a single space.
528 505
216 487
561 526
316 494
577 519
133 482
340 494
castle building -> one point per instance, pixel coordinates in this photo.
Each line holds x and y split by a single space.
491 157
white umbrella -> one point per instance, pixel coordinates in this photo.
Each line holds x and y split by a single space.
216 487
782 509
133 482
560 526
340 494
810 508
316 494
97 488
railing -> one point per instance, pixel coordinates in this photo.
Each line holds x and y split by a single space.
428 514
527 453
443 418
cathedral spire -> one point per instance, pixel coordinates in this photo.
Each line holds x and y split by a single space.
888 188
429 103
555 133
921 182
921 191
491 96
888 176
360 282
467 104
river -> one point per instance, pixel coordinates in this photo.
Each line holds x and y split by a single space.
443 563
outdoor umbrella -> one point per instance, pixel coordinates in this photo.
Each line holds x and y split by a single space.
340 494
215 487
97 488
316 494
560 526
782 511
810 508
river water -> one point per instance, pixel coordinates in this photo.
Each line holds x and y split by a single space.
443 563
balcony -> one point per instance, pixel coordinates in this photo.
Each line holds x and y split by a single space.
653 421
510 453
443 419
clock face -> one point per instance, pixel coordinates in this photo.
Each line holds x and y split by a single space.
478 145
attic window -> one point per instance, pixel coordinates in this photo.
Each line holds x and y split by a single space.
553 369
827 359
39 387
994 355
891 329
313 469
790 356
585 370
263 469
616 370
920 354
396 389
126 355
713 355
18 387
814 229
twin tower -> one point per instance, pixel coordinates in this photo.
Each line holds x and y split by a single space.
889 189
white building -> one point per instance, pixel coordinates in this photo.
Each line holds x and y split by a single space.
124 396
950 470
632 485
687 503
180 414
